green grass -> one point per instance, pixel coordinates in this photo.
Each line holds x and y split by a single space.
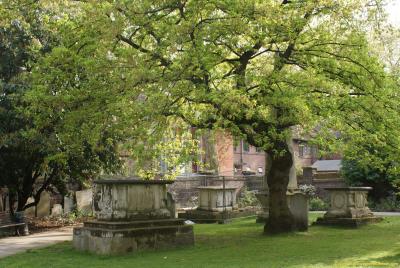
242 244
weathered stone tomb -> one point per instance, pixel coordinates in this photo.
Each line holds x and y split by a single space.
216 204
132 215
348 207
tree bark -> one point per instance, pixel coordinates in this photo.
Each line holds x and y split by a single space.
278 170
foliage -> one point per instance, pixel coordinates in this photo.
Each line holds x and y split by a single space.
253 68
371 246
317 204
390 203
32 157
247 198
369 164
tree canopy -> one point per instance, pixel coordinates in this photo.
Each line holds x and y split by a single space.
253 68
32 158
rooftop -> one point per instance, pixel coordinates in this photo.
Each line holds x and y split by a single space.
327 165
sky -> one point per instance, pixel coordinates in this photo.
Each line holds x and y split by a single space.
393 9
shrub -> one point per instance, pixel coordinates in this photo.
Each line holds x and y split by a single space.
391 203
247 198
317 203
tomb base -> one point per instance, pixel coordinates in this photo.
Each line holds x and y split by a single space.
111 237
347 222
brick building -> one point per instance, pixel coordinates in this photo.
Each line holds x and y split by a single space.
226 156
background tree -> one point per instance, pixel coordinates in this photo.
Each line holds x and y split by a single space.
32 159
381 171
375 163
253 68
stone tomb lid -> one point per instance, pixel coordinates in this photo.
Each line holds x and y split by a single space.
216 188
132 181
348 188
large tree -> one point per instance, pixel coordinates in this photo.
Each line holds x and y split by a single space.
254 68
32 158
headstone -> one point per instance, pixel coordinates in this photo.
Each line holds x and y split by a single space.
30 212
263 198
84 201
43 207
292 185
298 205
7 203
57 210
2 208
171 204
68 204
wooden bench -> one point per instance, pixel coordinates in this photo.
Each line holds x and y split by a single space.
7 221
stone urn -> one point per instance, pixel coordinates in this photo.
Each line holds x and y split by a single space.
132 215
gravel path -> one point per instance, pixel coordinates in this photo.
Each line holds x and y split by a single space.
16 244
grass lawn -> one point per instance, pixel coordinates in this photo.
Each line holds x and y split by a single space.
241 244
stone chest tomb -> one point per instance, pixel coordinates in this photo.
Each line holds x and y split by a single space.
132 215
216 198
348 207
216 204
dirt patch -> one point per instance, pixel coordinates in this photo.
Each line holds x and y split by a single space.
36 225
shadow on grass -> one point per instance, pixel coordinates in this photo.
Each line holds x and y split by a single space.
394 259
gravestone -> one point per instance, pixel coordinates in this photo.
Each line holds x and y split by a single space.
31 211
84 201
298 205
68 204
263 197
57 210
43 207
2 207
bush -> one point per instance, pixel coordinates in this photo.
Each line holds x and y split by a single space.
391 203
317 203
247 198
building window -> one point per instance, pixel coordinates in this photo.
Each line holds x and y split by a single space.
246 147
306 150
301 150
259 150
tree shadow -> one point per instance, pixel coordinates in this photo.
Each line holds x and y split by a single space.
390 259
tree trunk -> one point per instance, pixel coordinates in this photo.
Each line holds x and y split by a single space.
279 164
11 201
22 199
